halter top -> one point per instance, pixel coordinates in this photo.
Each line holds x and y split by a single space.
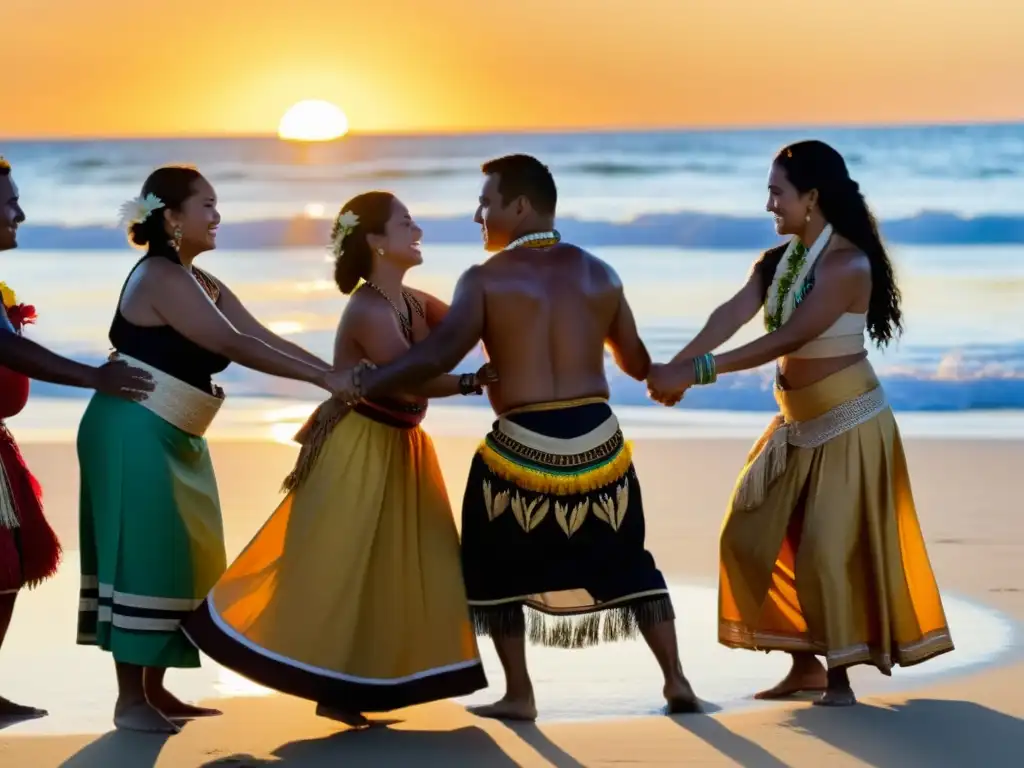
163 347
844 337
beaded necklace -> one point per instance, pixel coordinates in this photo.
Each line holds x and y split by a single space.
536 240
411 301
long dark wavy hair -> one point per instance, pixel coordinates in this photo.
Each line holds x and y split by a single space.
815 165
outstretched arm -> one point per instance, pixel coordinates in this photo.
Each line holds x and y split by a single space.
37 362
184 306
442 350
242 319
840 279
625 344
725 321
376 332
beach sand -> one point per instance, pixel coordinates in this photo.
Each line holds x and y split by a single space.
969 501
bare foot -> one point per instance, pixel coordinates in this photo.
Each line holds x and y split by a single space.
836 697
10 710
681 698
141 716
174 709
507 709
348 717
805 677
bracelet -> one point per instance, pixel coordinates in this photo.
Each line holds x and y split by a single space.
705 371
357 380
468 385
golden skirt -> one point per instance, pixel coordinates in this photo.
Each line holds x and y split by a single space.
351 594
832 561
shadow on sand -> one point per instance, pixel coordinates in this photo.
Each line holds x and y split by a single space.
739 749
383 746
121 748
920 732
544 746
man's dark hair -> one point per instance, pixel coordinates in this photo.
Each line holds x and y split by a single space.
5 167
524 176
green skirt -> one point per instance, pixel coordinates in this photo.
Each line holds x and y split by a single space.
152 539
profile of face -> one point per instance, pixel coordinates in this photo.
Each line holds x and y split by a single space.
498 218
787 204
197 219
11 214
400 243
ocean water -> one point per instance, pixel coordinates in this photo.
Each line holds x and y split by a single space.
680 216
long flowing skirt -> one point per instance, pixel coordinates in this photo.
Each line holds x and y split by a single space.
151 533
553 521
833 561
351 594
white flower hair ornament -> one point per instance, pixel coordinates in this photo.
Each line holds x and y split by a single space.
343 226
138 210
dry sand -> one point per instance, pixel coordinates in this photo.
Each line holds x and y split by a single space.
968 495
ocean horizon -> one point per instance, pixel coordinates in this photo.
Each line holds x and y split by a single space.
679 214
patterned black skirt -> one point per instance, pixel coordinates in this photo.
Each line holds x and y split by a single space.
553 521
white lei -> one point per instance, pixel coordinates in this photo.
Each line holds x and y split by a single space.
772 301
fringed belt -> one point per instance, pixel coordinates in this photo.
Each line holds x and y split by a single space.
771 451
559 466
189 409
312 435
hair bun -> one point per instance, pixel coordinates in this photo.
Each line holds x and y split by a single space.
138 235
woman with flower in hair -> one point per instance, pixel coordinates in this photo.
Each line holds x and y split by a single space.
152 542
351 594
821 552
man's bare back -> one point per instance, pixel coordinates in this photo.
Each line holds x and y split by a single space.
544 316
547 316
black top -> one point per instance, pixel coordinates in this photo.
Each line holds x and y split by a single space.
164 348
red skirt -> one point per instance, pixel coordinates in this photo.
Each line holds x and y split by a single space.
29 549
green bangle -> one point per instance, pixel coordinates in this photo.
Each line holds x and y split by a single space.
704 369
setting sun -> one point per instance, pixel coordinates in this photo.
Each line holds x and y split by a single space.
313 121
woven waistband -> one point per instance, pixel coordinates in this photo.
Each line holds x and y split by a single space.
507 432
189 409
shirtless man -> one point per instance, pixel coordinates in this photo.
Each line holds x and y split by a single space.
552 496
32 555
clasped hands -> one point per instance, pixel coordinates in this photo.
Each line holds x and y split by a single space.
346 384
668 382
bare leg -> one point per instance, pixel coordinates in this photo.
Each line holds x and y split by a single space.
661 638
170 705
839 692
8 709
518 702
806 675
346 716
132 711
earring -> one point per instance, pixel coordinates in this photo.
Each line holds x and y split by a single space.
176 241
380 251
807 218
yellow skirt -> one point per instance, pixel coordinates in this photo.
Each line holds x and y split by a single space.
351 594
832 561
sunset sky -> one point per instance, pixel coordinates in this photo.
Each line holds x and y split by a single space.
119 68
